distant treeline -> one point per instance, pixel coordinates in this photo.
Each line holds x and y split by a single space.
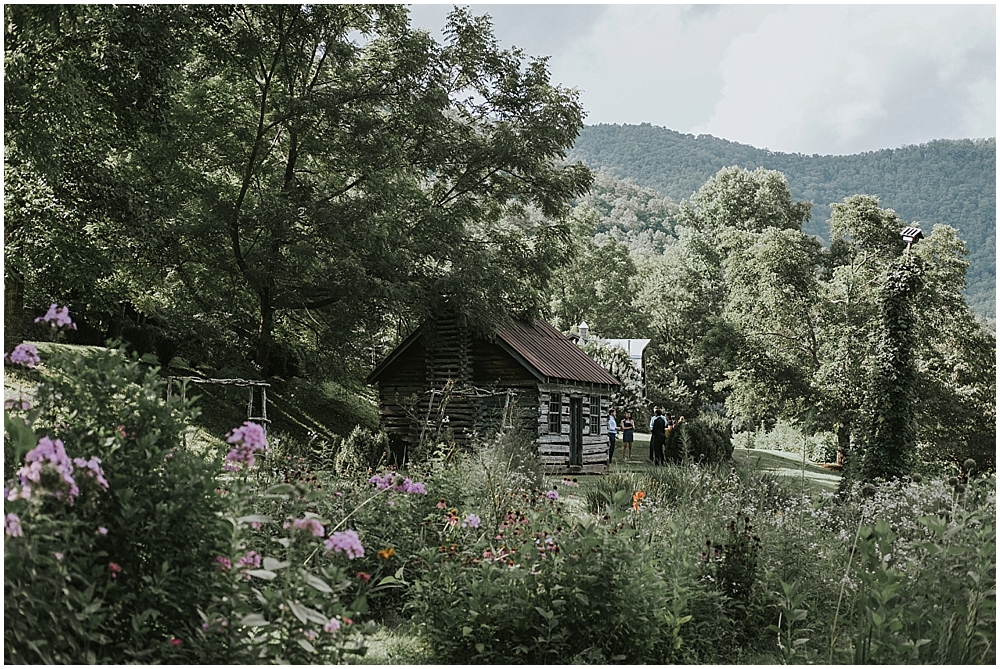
944 181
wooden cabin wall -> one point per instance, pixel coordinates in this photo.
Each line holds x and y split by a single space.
553 448
495 371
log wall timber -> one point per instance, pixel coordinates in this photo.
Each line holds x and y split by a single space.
476 387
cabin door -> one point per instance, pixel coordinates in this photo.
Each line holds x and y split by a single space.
576 431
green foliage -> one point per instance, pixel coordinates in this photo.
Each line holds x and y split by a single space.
362 452
889 437
555 590
286 599
944 181
707 439
159 512
617 362
790 438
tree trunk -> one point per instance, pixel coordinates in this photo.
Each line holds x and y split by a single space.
265 333
843 443
13 309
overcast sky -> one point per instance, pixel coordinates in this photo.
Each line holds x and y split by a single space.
827 79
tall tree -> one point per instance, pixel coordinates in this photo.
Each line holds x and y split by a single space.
332 169
83 86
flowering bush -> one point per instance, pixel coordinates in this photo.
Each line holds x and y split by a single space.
110 523
546 588
300 603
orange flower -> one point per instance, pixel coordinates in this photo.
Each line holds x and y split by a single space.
387 553
637 499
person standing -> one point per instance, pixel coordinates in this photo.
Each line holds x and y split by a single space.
658 435
628 435
612 434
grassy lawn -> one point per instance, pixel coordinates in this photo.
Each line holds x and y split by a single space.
811 478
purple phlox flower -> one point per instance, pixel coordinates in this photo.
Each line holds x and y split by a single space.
390 480
347 542
21 404
92 468
552 494
310 634
251 559
332 626
53 453
248 439
224 562
12 525
382 482
255 525
310 524
24 354
57 317
472 520
102 530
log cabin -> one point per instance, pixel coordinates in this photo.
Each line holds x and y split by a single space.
526 376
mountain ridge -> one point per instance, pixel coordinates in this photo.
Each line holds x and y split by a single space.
940 181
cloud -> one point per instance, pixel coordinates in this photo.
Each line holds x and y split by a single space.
839 79
795 78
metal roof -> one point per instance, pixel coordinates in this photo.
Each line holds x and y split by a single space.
548 353
551 353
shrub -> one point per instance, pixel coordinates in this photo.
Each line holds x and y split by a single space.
134 556
706 439
547 589
363 451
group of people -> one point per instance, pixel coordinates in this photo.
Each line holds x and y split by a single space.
659 427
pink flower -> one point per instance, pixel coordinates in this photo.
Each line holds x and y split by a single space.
224 562
252 559
102 530
92 468
59 556
472 520
255 525
12 525
310 524
364 576
57 317
347 542
248 439
332 626
310 634
115 569
176 642
24 354
552 494
52 453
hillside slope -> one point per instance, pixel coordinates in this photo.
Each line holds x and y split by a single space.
944 181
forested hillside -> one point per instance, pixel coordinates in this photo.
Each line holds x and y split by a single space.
944 181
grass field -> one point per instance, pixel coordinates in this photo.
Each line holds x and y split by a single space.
811 478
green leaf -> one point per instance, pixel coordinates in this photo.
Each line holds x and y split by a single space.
316 582
21 435
262 573
308 646
298 611
466 631
274 565
480 648
254 518
254 620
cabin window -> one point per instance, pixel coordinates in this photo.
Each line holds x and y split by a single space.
595 414
555 413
